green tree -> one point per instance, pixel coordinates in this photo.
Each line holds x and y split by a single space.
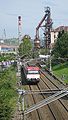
8 93
7 57
25 47
60 33
61 46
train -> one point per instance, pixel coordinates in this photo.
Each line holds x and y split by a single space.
31 73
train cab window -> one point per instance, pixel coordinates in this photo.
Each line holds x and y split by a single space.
33 72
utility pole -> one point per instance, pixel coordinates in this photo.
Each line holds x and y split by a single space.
4 37
21 94
50 58
23 107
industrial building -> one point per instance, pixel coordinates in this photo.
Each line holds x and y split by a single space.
8 48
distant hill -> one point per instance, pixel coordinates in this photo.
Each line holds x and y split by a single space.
11 41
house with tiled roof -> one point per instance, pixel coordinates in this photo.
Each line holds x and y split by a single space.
54 33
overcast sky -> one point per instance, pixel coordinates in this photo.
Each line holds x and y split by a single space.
32 11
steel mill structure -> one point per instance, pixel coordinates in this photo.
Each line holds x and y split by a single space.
47 29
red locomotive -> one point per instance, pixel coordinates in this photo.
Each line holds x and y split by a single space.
32 74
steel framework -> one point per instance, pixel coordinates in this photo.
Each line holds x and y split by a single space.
47 29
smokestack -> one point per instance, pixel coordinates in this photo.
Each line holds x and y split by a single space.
19 28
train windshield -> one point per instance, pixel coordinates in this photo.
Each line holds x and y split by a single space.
33 72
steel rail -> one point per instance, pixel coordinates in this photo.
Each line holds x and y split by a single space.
48 100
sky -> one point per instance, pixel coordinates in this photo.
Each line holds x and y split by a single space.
31 11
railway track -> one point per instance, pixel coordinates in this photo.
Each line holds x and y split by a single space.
57 110
39 116
56 84
53 79
44 112
52 85
50 111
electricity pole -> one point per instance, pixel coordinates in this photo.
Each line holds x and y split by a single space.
50 62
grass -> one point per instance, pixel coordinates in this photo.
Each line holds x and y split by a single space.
61 70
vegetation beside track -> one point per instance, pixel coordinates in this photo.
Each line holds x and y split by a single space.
8 95
61 70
